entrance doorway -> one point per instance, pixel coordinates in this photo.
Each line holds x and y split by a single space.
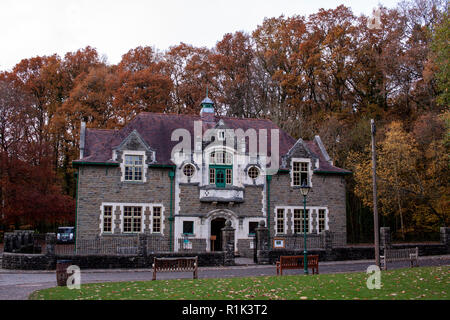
216 233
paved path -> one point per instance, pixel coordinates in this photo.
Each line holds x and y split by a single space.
18 285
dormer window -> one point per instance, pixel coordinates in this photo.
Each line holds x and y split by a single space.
221 135
133 166
300 172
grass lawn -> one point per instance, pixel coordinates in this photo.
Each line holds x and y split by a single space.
412 283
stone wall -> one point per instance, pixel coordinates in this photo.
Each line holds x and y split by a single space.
142 259
25 261
102 184
331 252
358 252
21 261
43 262
245 248
20 241
327 191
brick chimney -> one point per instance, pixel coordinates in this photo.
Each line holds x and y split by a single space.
82 138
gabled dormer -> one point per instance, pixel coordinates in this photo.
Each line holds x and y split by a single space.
134 155
301 163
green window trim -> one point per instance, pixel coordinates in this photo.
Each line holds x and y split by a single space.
221 175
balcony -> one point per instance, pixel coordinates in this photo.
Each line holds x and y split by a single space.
227 194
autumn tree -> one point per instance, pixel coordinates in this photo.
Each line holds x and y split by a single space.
410 189
30 191
440 58
234 66
191 73
140 84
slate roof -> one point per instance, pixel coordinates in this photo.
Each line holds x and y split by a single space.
156 129
324 166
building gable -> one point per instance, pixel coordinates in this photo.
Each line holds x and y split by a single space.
299 150
134 143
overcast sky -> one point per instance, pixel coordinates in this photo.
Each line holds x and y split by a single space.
30 28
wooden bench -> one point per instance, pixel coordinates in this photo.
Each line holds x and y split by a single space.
181 264
296 262
391 255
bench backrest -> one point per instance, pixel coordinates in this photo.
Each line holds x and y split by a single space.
178 264
400 253
291 260
298 260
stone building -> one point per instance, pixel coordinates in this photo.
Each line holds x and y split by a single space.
178 178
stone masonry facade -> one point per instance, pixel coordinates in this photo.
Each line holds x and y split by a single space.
130 182
97 184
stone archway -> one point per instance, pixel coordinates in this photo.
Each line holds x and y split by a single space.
216 226
216 221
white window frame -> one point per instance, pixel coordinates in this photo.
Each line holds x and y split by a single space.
144 165
145 207
142 215
225 153
326 227
310 172
310 210
152 218
102 216
285 228
301 219
193 227
221 135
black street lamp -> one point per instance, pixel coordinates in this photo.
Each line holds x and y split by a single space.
304 189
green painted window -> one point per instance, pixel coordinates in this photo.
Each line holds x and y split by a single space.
221 176
221 168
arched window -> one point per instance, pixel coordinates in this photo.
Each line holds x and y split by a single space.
221 157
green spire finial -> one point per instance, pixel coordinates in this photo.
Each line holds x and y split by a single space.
207 91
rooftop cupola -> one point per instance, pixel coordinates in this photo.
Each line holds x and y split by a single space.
207 111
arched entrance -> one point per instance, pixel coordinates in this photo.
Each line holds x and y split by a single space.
216 221
216 233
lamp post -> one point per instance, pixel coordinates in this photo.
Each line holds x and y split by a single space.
304 189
